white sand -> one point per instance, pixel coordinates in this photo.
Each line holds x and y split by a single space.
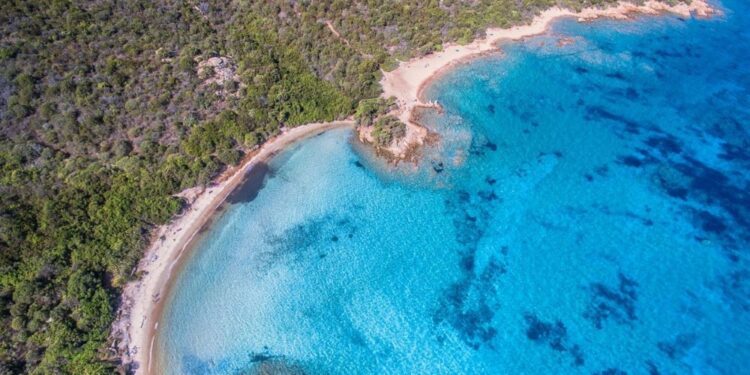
138 316
406 82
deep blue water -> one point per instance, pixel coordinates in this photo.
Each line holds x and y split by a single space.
586 211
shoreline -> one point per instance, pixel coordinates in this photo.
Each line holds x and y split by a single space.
409 80
142 301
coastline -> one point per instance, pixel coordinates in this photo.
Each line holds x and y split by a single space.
138 317
407 82
142 300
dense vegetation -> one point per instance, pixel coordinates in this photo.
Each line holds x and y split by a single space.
385 127
369 110
107 109
388 129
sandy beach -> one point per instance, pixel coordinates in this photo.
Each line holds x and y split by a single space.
407 82
142 300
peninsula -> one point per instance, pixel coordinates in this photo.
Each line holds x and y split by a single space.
407 82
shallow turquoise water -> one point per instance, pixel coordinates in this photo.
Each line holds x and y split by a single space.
588 210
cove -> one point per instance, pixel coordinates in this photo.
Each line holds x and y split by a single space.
587 211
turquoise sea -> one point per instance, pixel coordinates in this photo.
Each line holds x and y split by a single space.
586 212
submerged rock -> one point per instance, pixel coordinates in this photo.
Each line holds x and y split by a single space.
273 366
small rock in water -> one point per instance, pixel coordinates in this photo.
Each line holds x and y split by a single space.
438 167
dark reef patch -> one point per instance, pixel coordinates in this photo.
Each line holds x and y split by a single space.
472 320
630 161
599 113
729 128
293 243
487 196
549 333
469 304
606 46
479 147
553 334
666 144
260 357
734 153
717 202
438 166
672 182
632 94
735 289
274 366
463 196
652 368
297 239
626 214
668 54
526 116
677 347
709 222
646 156
249 188
612 303
712 187
617 76
611 371
636 161
602 170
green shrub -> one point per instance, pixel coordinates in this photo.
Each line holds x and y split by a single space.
388 129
